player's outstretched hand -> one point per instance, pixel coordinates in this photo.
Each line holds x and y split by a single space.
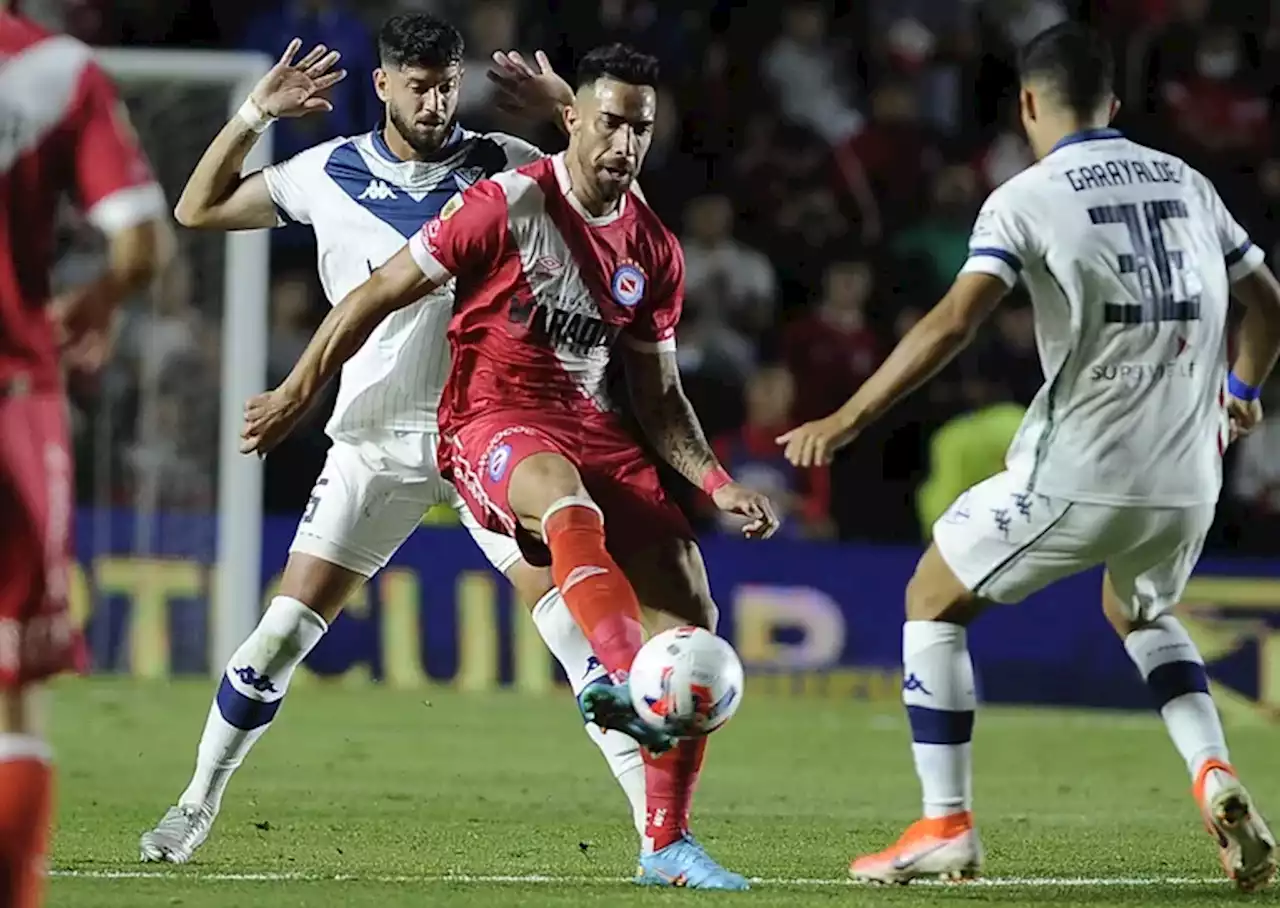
296 89
736 498
815 443
1244 416
268 420
535 92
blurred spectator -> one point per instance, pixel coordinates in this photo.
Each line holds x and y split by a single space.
751 454
833 350
727 282
1005 156
1007 356
1021 20
332 23
803 71
1164 51
1217 108
1255 481
895 150
490 25
940 241
292 324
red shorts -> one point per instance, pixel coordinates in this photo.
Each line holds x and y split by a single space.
37 637
480 454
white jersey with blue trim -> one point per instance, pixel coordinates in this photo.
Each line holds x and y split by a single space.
363 204
1128 255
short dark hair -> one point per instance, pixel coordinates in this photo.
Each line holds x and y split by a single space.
419 39
620 62
1074 62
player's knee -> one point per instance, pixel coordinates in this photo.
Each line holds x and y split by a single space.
540 481
22 710
320 585
530 583
935 594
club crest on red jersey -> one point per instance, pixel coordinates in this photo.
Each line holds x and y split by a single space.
628 283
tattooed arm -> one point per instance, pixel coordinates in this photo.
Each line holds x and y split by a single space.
666 416
667 419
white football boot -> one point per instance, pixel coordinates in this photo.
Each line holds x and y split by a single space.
181 830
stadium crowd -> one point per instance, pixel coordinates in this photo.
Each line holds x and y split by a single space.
822 163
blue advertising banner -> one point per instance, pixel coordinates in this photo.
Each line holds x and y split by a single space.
809 619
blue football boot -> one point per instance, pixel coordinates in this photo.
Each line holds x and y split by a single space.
686 863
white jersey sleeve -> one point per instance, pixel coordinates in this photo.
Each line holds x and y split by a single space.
1242 257
292 183
518 151
1000 244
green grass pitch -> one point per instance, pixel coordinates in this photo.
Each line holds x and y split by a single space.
373 797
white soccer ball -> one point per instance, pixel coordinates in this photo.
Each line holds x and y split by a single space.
686 682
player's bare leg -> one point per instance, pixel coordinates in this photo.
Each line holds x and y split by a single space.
1174 671
671 582
535 588
26 796
547 496
938 691
312 593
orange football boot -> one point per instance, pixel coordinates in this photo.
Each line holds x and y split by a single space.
1246 846
945 848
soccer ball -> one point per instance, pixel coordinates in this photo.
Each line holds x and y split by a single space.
686 682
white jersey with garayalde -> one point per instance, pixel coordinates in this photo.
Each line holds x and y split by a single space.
1128 255
363 204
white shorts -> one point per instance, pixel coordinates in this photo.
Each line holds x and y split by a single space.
1004 543
372 494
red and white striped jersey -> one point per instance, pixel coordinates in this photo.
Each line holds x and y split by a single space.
62 132
544 290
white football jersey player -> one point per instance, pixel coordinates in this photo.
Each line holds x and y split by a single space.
1128 255
363 203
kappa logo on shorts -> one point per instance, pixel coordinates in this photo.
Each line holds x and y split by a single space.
628 283
498 460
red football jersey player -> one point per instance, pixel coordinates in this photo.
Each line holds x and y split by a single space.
63 132
554 263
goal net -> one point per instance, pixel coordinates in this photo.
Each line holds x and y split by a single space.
170 515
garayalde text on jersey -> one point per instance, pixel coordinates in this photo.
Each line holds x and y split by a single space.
1123 172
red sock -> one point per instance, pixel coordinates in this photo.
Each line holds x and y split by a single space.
26 795
598 594
669 783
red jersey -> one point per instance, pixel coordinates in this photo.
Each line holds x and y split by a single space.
544 290
62 131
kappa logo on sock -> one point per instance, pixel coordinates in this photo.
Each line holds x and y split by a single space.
580 573
249 677
593 664
912 683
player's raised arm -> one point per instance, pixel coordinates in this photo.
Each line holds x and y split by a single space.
666 417
217 196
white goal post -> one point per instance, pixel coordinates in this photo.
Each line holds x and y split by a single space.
236 585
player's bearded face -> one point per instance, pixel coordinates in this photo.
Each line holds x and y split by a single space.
421 103
612 132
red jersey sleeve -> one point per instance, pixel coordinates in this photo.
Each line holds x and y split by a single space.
466 237
654 327
112 177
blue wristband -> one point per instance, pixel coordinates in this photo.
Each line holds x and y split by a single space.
1239 390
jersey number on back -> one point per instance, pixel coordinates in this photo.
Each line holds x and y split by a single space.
1156 269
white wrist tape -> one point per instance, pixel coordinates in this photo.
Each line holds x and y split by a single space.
254 116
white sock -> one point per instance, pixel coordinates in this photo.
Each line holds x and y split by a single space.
570 647
1174 671
250 694
937 688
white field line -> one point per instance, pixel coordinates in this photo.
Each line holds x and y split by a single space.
177 875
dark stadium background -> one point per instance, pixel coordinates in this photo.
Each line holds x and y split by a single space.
852 143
